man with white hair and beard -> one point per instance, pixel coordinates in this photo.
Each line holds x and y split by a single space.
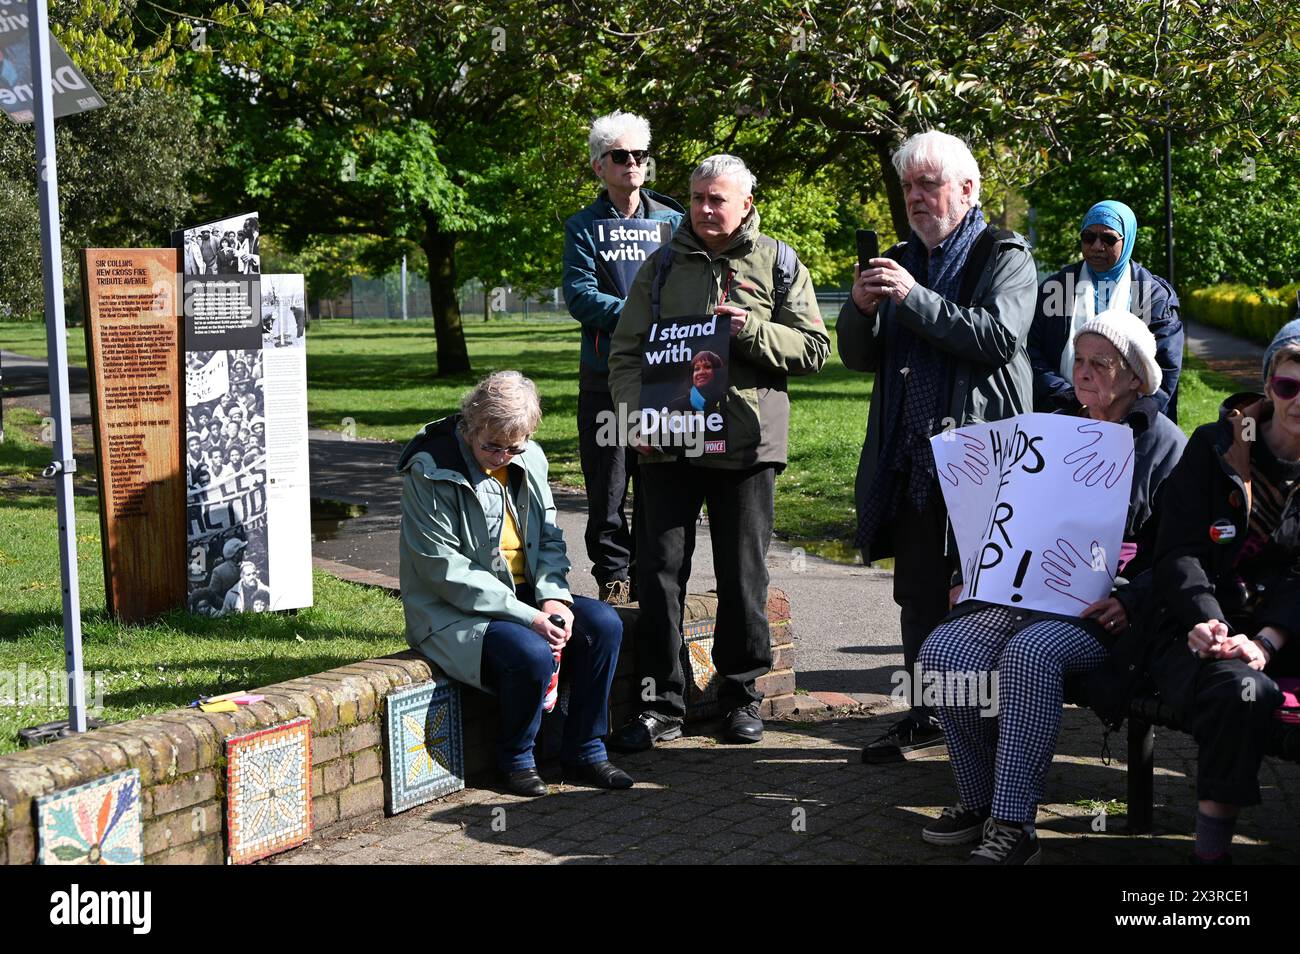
942 320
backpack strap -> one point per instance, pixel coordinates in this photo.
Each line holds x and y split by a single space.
977 260
662 265
783 271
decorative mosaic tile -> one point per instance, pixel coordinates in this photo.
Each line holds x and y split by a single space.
93 824
268 790
702 677
426 755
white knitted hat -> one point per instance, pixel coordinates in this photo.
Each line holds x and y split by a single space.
1132 339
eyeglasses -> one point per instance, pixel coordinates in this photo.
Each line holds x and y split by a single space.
513 451
1105 238
1284 387
621 156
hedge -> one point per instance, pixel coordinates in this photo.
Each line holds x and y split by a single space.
1254 313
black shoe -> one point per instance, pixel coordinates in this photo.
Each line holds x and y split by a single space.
904 737
955 826
743 724
1195 859
642 731
598 775
1006 845
524 782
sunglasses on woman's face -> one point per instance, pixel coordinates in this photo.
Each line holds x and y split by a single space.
621 156
1105 238
1285 388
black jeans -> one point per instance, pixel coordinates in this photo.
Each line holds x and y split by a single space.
740 525
1231 718
922 573
606 472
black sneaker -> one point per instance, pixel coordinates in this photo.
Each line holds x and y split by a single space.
904 737
642 731
743 724
955 826
1005 845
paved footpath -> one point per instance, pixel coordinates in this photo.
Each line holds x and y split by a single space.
700 801
1236 357
801 795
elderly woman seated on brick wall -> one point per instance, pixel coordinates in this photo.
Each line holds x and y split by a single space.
483 575
1000 757
1225 623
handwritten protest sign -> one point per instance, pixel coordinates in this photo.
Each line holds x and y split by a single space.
209 380
622 246
684 368
1038 504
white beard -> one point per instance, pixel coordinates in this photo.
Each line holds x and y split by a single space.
936 230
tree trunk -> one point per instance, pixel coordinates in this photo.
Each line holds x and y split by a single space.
440 249
893 190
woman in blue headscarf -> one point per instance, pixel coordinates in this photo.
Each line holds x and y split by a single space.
1106 278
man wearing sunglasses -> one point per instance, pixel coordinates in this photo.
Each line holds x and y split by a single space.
599 262
1106 278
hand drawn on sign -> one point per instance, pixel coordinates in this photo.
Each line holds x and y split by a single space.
974 465
1093 467
1060 564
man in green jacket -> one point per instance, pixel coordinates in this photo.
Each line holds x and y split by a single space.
717 265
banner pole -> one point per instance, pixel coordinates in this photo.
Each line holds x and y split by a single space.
64 464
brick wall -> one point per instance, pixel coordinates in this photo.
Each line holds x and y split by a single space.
182 761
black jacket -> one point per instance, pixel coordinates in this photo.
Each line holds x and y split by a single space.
1151 298
1196 578
982 332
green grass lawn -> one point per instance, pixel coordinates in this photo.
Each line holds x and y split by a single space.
1200 392
29 338
169 662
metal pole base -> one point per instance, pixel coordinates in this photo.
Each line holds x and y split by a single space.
48 732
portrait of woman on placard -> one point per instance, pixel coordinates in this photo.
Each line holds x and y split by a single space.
708 384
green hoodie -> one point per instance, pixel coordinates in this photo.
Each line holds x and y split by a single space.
767 349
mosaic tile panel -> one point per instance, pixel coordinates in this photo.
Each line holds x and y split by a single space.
268 791
426 754
697 665
93 824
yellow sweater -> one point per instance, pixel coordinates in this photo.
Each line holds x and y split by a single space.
512 548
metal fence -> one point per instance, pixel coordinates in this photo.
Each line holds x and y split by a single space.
381 298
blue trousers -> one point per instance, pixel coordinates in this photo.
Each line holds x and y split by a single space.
517 666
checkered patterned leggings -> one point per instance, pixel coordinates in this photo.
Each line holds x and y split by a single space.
1002 761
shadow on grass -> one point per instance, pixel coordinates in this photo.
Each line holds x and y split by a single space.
16 456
